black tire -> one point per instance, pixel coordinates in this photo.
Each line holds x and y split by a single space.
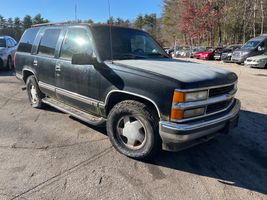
146 117
36 102
9 63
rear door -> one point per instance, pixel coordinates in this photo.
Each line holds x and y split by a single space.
77 85
45 61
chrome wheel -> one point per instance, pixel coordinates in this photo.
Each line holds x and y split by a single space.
33 92
131 132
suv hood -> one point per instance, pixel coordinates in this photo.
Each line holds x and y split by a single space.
189 74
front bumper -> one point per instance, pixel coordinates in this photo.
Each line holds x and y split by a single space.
176 137
217 57
238 59
255 64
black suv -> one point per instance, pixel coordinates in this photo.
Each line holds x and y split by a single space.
122 78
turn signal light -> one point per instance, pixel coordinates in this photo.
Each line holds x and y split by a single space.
177 114
178 97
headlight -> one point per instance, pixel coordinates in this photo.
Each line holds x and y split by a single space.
183 97
179 97
196 96
244 53
194 112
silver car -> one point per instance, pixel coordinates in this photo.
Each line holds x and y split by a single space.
8 48
257 61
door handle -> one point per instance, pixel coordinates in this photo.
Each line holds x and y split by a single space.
58 68
35 63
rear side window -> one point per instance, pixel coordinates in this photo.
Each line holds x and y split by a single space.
10 43
27 40
49 42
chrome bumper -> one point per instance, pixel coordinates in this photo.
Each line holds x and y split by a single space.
195 132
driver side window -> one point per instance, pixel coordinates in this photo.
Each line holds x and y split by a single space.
77 41
140 43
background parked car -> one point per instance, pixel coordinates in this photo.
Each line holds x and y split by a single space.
218 54
209 54
196 52
183 52
7 52
253 47
257 61
227 53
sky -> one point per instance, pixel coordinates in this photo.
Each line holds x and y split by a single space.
63 10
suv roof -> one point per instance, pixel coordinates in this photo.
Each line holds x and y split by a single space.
260 38
76 23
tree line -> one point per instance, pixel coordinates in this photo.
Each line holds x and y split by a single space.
213 22
15 27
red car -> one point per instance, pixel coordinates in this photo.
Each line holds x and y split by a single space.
209 54
197 54
198 51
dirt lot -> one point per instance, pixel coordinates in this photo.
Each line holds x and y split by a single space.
45 154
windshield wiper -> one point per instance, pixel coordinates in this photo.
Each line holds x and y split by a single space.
128 56
157 55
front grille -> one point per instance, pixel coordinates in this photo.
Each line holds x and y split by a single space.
221 91
218 106
236 54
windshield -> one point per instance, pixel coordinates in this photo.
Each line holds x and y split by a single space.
126 43
2 42
252 44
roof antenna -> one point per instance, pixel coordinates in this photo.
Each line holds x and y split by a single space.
110 32
75 11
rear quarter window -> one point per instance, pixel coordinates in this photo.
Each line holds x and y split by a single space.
49 42
27 40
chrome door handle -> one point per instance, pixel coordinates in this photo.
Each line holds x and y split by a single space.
58 68
35 63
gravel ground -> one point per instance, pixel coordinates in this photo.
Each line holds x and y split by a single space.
45 154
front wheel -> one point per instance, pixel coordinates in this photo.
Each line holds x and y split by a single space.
133 130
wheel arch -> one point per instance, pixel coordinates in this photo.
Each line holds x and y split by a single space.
116 96
26 73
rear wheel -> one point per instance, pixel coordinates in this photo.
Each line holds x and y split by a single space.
34 93
133 130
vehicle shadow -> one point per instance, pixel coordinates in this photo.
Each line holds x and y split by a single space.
4 72
238 159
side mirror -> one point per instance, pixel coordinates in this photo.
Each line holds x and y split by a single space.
83 59
261 48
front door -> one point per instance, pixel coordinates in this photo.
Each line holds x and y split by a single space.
76 84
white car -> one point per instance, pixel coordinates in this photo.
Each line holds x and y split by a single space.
257 61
